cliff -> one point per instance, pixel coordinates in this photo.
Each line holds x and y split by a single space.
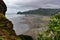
6 26
3 7
6 29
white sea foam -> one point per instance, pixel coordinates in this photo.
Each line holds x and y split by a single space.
19 27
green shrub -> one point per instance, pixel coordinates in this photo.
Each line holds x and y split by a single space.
53 32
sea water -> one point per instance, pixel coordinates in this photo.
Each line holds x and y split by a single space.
19 27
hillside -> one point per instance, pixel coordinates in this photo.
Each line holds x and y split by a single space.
41 11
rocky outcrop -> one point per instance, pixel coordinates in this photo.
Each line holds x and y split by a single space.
7 32
6 26
6 29
3 7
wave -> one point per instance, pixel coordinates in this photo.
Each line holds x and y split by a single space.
19 27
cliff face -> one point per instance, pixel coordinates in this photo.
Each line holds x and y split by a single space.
6 26
6 29
3 7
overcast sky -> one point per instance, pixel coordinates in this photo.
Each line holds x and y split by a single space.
22 5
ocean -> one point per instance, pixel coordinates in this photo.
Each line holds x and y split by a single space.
19 27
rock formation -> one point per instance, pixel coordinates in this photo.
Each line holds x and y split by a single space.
6 26
6 29
3 7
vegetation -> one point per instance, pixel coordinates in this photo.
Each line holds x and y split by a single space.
41 11
6 29
53 32
24 37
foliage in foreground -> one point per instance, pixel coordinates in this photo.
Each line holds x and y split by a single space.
53 32
24 37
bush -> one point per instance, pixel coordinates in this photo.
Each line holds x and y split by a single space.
53 32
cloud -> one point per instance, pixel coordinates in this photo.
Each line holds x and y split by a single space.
23 5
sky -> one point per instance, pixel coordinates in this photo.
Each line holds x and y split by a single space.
13 6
